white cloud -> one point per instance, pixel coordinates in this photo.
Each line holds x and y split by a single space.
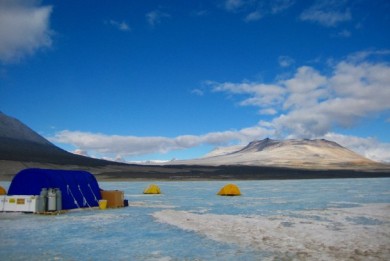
278 6
328 13
362 56
344 34
233 5
305 89
254 10
197 92
155 17
122 26
24 29
253 16
268 111
262 95
310 104
285 61
368 147
81 152
124 146
305 79
351 93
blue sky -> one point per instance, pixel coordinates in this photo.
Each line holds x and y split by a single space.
138 80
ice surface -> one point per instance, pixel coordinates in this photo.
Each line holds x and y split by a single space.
332 234
345 219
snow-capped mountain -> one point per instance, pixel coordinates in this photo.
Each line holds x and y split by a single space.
318 153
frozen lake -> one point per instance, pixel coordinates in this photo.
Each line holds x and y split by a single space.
334 219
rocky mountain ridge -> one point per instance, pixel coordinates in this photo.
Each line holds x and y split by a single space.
294 153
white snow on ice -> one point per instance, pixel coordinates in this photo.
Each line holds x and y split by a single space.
360 233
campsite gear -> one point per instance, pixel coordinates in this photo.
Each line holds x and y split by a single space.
2 201
3 191
20 203
78 188
59 199
51 200
115 198
42 203
102 204
229 190
152 189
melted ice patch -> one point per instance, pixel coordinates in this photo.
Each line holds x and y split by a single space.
357 233
149 204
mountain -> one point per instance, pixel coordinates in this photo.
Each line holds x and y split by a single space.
21 147
13 129
20 143
313 154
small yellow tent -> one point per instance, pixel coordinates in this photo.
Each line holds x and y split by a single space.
152 189
3 191
229 190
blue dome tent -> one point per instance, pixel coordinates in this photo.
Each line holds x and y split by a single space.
79 188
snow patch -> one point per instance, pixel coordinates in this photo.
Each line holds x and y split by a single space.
149 205
357 233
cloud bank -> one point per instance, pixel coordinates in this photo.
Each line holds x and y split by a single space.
368 147
309 104
24 29
125 146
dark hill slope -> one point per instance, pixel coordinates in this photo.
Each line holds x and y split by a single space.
20 143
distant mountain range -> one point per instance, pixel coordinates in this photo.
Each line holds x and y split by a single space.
21 147
312 154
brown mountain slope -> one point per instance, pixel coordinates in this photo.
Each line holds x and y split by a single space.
308 154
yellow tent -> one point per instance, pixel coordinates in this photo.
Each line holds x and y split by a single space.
152 189
229 190
3 191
